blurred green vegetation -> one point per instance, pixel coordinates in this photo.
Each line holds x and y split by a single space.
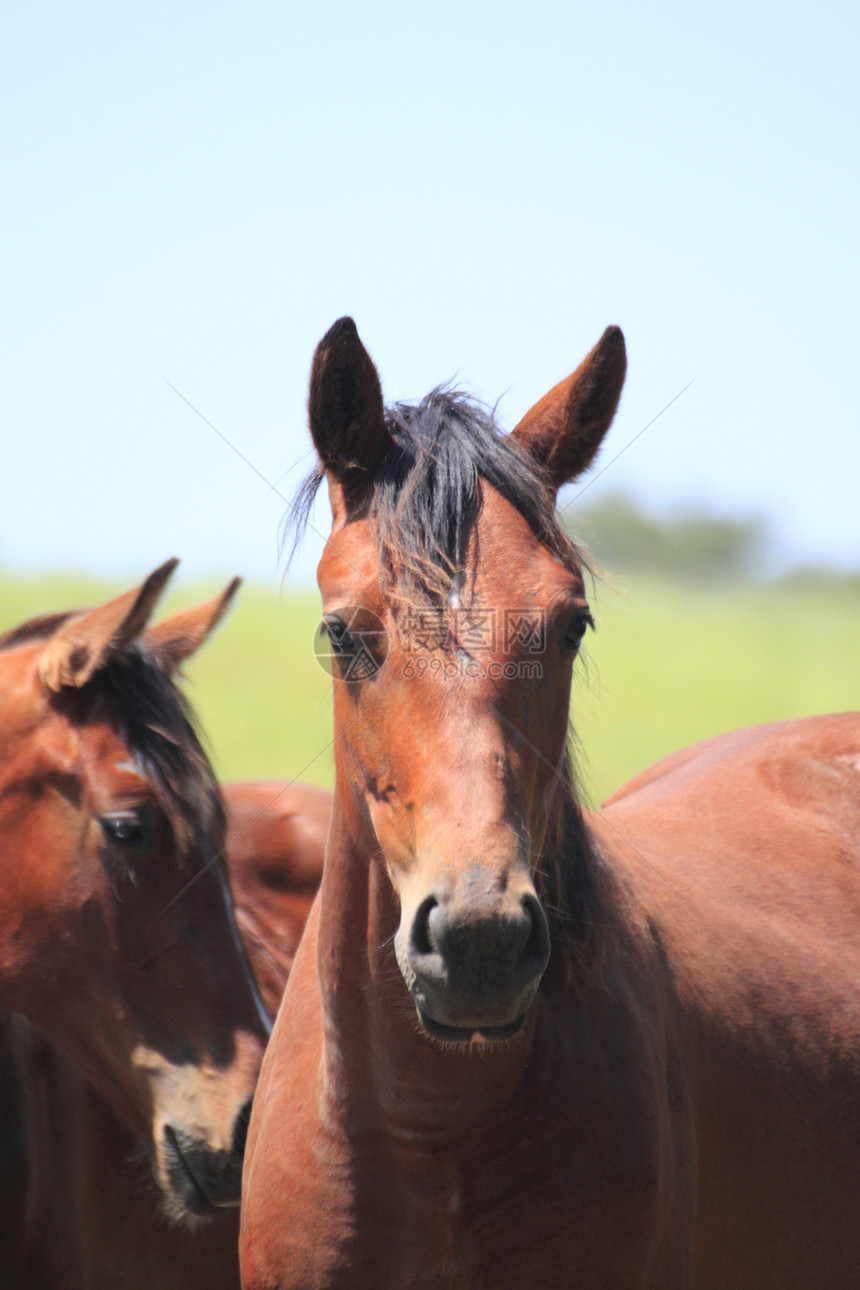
687 542
263 702
671 662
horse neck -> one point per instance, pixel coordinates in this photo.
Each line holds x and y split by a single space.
359 914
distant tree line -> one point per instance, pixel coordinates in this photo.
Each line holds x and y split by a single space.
686 540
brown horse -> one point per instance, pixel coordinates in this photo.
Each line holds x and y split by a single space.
117 938
275 841
522 1045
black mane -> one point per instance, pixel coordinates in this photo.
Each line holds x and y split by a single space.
426 498
570 879
140 701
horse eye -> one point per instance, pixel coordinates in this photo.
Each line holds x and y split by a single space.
124 827
339 635
576 630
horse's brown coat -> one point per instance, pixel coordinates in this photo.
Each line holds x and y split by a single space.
759 832
680 1105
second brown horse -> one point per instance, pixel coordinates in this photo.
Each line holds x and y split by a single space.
79 1207
117 937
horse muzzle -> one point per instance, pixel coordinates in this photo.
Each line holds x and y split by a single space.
473 967
196 1178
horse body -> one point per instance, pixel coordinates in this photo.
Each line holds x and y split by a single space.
443 1104
276 837
758 833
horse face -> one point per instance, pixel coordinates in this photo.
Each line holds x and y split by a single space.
170 973
456 749
453 747
116 932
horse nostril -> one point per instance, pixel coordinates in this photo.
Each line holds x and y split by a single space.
421 939
240 1129
537 946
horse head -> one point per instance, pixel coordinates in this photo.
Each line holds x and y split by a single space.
117 935
455 605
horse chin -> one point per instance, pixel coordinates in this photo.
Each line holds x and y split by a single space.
183 1214
185 1202
468 1034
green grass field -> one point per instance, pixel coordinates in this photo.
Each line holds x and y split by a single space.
669 665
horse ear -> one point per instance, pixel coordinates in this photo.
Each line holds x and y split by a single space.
175 639
345 409
565 429
90 640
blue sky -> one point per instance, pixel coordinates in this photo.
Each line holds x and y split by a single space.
193 193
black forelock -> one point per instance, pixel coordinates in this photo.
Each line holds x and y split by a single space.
152 717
